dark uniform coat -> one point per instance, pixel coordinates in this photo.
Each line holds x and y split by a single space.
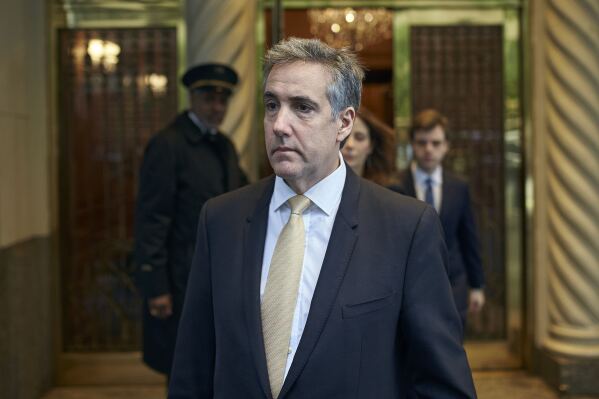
461 237
183 167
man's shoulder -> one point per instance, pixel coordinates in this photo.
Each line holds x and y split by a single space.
454 177
173 131
455 180
388 199
390 212
243 200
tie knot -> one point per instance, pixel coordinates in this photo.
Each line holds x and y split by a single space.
298 204
429 181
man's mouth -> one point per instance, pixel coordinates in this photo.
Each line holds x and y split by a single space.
282 149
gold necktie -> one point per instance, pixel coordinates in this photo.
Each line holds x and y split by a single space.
280 294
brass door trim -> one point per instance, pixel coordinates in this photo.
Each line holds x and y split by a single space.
399 4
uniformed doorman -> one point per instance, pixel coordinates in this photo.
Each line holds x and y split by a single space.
184 165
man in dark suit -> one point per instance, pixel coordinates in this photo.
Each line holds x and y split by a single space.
426 180
315 283
184 165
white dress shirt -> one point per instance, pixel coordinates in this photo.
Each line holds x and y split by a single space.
420 177
201 125
318 223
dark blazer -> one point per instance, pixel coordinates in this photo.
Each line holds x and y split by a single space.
182 168
381 323
461 236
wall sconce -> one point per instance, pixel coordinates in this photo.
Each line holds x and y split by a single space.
157 83
104 52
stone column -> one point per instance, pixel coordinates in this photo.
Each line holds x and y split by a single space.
571 158
224 31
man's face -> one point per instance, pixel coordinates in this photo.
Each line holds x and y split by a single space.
210 105
302 138
429 148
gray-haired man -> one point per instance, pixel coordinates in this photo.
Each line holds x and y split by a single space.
314 283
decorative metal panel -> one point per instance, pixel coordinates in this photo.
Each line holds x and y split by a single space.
118 87
458 70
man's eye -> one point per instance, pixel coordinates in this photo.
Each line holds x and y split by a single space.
304 108
270 106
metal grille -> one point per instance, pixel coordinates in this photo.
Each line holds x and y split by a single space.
108 112
459 71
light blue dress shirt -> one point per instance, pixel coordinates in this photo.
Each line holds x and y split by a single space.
318 223
436 177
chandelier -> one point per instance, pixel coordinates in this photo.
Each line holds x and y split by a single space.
352 28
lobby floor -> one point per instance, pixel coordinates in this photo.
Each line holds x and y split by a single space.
497 375
489 385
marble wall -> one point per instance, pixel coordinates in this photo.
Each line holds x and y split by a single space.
24 205
28 283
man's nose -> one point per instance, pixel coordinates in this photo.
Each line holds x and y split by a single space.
281 123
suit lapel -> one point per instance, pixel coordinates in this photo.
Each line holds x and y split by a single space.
339 250
254 237
409 183
446 197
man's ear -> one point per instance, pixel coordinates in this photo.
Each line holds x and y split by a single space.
346 123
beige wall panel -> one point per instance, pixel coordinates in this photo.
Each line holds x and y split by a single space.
8 183
24 122
224 31
13 70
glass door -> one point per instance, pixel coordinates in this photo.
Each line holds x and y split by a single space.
465 63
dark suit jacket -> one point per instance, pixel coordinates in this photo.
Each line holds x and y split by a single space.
461 237
382 321
182 168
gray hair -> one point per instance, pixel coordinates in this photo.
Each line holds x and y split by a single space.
345 88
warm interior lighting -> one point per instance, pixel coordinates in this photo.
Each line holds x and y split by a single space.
348 27
95 50
104 52
157 83
350 16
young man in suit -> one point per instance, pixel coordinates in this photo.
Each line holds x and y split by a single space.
314 283
426 180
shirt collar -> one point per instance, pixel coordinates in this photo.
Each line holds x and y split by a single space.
201 125
325 194
420 175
